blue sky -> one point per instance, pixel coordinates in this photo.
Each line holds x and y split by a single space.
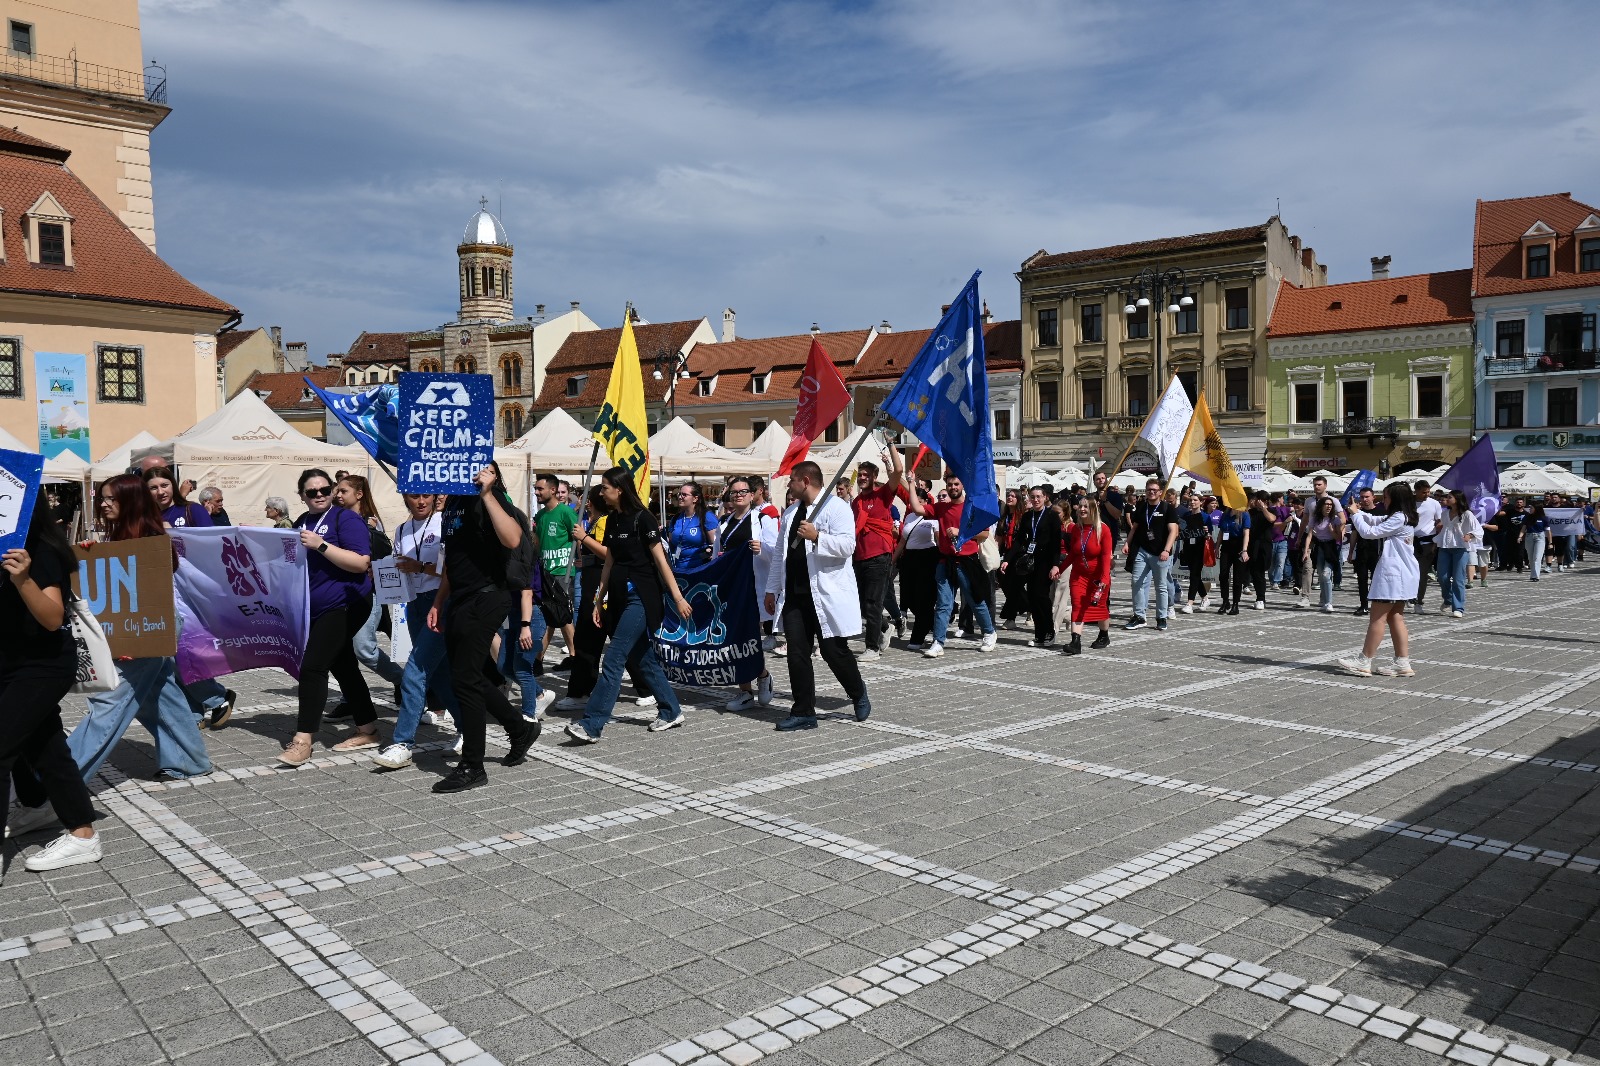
838 163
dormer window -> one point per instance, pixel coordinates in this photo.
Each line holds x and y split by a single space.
47 232
758 382
706 386
1538 261
576 385
1588 236
1538 247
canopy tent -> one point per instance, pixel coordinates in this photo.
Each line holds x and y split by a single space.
1528 479
1573 482
677 452
12 444
119 459
68 466
1277 479
766 451
559 443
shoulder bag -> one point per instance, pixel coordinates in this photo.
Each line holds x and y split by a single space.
97 670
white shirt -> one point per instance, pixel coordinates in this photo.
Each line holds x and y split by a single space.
1453 532
1429 512
423 542
828 567
920 532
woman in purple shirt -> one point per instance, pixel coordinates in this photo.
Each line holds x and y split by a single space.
176 512
339 546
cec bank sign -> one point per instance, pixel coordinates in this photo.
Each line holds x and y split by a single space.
1556 438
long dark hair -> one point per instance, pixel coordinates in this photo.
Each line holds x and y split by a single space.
1326 503
166 472
1398 498
137 515
1459 500
366 508
621 479
46 535
699 498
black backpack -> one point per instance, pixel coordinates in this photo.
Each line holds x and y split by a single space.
522 566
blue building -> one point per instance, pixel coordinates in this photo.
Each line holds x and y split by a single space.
1535 300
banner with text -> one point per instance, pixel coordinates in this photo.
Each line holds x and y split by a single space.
1565 521
446 432
243 598
127 585
19 488
61 381
721 644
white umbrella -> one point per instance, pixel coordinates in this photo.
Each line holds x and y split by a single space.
1573 482
1527 479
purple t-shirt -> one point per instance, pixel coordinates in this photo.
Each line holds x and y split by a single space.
1281 514
333 587
187 515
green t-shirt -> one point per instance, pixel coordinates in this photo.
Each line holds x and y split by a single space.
554 526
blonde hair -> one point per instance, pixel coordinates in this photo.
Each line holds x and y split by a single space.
1094 512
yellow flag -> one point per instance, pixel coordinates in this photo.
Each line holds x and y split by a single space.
621 427
1202 452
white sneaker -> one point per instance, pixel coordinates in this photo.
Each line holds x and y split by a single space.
1205 603
435 718
543 703
571 703
644 701
1187 608
1327 608
66 850
1398 668
1359 665
1303 602
394 757
764 689
990 642
661 725
740 701
933 651
1261 605
1456 614
769 644
869 656
22 819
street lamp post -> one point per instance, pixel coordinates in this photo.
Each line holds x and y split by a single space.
676 363
1154 289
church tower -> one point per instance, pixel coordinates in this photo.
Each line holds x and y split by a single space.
485 275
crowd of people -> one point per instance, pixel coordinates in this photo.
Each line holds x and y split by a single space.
491 586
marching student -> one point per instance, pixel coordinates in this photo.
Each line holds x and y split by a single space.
747 527
1086 552
1394 582
959 569
812 590
875 540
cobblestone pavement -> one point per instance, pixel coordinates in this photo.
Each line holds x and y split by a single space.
1199 846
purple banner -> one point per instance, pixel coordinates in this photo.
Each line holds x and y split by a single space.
243 600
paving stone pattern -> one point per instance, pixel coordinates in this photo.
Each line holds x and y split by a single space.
1201 846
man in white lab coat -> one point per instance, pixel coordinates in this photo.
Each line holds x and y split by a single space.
811 589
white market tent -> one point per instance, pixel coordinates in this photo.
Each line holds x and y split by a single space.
119 459
766 451
1573 482
559 444
1527 479
677 453
12 444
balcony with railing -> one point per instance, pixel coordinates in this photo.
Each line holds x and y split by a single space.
149 84
1557 362
1386 426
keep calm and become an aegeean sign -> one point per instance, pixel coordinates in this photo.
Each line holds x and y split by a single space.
446 432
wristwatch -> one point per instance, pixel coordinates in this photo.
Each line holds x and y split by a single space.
323 547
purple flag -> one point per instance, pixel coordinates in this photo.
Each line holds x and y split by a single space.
1476 474
243 600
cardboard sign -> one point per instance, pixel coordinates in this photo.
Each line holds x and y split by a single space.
446 432
19 486
389 585
127 584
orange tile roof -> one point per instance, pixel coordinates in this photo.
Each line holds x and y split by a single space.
1497 244
1043 260
109 261
783 358
891 353
286 392
591 353
227 342
377 348
1385 303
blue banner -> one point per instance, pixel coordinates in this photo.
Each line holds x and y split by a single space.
447 432
19 487
1364 479
61 380
943 397
372 417
721 644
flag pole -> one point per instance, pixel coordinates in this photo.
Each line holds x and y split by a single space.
583 503
879 419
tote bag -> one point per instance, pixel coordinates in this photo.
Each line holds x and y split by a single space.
97 670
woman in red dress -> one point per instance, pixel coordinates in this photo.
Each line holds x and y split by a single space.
1086 551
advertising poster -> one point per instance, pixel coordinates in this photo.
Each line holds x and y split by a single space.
127 585
19 487
61 381
446 432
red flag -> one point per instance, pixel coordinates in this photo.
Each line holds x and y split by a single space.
822 396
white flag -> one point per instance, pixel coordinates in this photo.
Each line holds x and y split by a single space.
1167 425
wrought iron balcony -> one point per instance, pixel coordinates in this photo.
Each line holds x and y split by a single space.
1543 362
1385 426
149 84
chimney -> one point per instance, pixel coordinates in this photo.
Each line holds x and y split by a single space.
944 309
277 348
295 355
1380 267
574 304
728 332
815 329
884 327
988 316
538 312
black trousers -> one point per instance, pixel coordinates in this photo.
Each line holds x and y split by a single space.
891 602
916 589
872 580
591 643
1230 578
33 745
470 625
1427 554
1260 560
1197 587
1366 562
802 630
1039 602
1015 586
331 649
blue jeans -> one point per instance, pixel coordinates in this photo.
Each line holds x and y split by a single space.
1148 569
629 646
1451 567
149 692
369 654
518 663
1280 563
427 665
1325 565
1534 543
946 579
204 696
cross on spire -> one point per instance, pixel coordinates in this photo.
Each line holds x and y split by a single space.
483 203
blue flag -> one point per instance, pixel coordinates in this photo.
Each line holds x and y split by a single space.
1477 475
1364 479
943 397
372 417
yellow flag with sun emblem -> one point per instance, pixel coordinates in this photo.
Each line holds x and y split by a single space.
1202 454
621 426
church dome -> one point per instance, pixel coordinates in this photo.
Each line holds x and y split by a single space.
484 228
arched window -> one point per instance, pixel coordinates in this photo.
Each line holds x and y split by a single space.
429 366
511 418
465 364
511 373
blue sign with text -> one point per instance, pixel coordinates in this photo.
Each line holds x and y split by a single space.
19 486
446 432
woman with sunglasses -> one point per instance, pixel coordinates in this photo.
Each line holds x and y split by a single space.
338 560
691 542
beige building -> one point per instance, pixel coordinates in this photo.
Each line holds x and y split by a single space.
72 73
1089 368
75 280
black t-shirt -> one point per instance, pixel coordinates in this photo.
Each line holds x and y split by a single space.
474 558
26 641
1151 523
630 541
1109 499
